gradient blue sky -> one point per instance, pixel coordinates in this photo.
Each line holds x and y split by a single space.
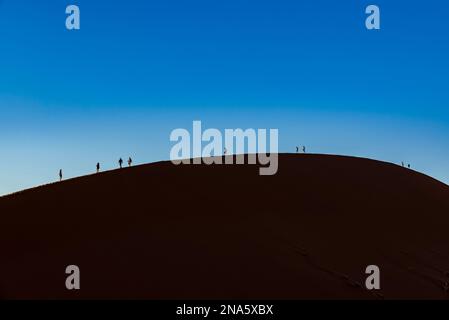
138 69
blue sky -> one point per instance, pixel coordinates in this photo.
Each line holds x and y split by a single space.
138 69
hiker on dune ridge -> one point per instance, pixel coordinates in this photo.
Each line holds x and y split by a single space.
130 162
120 162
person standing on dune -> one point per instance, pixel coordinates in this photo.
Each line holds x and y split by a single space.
98 167
120 162
60 175
130 162
304 149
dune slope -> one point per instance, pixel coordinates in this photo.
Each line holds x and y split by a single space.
161 231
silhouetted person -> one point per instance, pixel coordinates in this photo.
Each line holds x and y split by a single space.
130 162
98 167
304 149
403 163
120 162
60 175
297 149
409 165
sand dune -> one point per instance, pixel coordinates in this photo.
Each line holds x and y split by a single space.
161 231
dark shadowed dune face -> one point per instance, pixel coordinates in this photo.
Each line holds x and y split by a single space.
162 231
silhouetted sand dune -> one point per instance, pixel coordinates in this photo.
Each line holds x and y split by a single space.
195 232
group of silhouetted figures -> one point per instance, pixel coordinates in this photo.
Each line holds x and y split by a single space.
98 167
303 149
130 162
403 164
